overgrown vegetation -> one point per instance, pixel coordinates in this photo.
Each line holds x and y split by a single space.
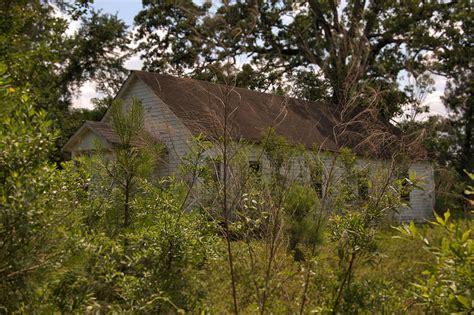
105 234
240 228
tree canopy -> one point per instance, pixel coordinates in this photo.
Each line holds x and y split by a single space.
332 44
43 55
37 48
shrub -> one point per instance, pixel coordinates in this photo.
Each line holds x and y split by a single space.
447 285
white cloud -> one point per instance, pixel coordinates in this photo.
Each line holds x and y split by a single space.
72 25
87 92
433 99
134 63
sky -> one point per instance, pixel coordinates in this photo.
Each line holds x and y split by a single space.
127 9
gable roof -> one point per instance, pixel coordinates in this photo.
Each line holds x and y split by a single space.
201 106
101 129
105 130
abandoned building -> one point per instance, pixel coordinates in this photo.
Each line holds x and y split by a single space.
177 109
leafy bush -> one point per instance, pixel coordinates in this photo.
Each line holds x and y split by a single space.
37 200
448 284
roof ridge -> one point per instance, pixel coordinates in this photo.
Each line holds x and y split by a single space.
225 86
96 122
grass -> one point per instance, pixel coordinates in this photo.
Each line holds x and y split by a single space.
379 285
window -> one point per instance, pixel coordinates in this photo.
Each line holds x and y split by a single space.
84 153
316 175
317 186
364 190
255 167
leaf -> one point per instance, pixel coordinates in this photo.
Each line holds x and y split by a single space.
413 230
463 300
465 235
471 175
439 220
468 192
447 214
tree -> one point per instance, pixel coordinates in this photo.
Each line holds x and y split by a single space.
132 158
52 64
36 199
37 49
453 59
344 44
141 249
459 100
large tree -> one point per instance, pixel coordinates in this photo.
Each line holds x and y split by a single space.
38 48
460 102
454 59
43 55
334 45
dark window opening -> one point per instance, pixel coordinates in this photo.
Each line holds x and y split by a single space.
317 186
85 153
405 195
364 190
255 167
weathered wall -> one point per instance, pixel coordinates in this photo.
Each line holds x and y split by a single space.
422 202
162 123
88 142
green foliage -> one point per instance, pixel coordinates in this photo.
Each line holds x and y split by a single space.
107 235
40 55
139 249
37 200
278 213
347 43
72 253
355 225
302 206
447 285
64 246
456 64
38 51
27 137
155 266
127 124
135 156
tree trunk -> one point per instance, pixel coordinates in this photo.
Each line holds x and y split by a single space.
467 154
126 216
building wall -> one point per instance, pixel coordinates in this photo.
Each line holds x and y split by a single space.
89 142
161 123
422 202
